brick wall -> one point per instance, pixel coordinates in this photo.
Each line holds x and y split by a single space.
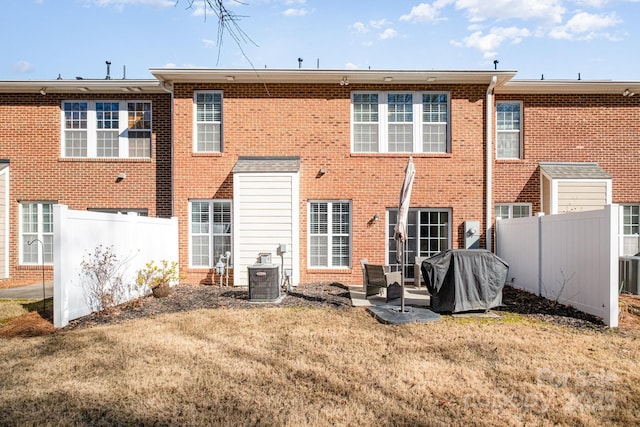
574 128
30 132
313 121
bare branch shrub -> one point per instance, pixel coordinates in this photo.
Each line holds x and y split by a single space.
102 278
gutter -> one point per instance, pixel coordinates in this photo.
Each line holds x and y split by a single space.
168 87
489 159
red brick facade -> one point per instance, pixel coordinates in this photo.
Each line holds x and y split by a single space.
602 128
30 134
312 120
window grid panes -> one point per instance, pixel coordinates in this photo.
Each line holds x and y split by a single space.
208 118
428 233
365 122
330 234
631 229
139 115
512 210
434 123
210 231
97 129
107 123
508 130
36 226
386 122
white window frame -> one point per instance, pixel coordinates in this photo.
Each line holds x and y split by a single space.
510 206
40 234
196 122
389 236
213 258
417 128
510 131
329 235
92 128
629 240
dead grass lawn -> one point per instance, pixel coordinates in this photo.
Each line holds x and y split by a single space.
320 366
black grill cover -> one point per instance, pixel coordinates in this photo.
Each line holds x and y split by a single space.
464 280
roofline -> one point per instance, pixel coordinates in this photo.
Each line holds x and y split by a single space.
81 86
568 87
218 75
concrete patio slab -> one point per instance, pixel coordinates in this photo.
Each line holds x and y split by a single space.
392 315
412 296
28 292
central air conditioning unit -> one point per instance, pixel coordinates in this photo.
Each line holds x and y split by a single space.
264 280
629 274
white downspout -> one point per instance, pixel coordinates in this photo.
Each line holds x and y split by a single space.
489 159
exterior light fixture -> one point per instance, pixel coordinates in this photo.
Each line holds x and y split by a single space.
376 217
121 176
628 92
344 81
43 91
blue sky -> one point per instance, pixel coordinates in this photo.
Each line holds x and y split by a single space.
558 38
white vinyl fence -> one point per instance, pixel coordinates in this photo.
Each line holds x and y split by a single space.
135 240
570 258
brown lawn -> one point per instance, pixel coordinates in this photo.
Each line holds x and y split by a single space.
292 366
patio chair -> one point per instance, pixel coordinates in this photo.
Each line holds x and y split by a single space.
379 277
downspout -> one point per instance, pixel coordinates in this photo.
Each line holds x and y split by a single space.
489 159
168 87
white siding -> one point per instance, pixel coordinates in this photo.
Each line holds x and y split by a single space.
266 214
579 196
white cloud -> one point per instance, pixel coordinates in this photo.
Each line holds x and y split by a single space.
209 43
290 2
592 3
425 12
360 27
350 66
389 33
481 10
488 43
22 67
586 26
121 4
380 23
295 12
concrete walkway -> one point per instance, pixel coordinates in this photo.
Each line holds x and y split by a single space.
28 292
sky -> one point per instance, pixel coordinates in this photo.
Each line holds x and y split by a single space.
557 39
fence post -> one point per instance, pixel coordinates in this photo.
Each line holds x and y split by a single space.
611 221
60 292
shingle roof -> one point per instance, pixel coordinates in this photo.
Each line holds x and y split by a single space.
267 164
574 171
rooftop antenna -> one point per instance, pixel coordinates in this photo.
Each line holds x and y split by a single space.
542 77
318 63
300 62
495 64
124 72
108 70
579 78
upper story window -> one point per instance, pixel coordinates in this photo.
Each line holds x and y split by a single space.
208 122
508 130
400 122
106 129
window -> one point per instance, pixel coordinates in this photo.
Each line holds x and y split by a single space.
36 233
98 129
124 211
428 233
330 234
208 122
631 229
210 231
400 122
513 210
508 130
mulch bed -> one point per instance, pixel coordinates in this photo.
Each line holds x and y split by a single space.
186 297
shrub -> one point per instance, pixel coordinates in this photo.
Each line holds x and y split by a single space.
102 278
158 275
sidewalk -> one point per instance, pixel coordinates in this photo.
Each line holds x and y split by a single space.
28 292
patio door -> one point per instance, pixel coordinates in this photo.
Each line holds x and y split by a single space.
429 232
